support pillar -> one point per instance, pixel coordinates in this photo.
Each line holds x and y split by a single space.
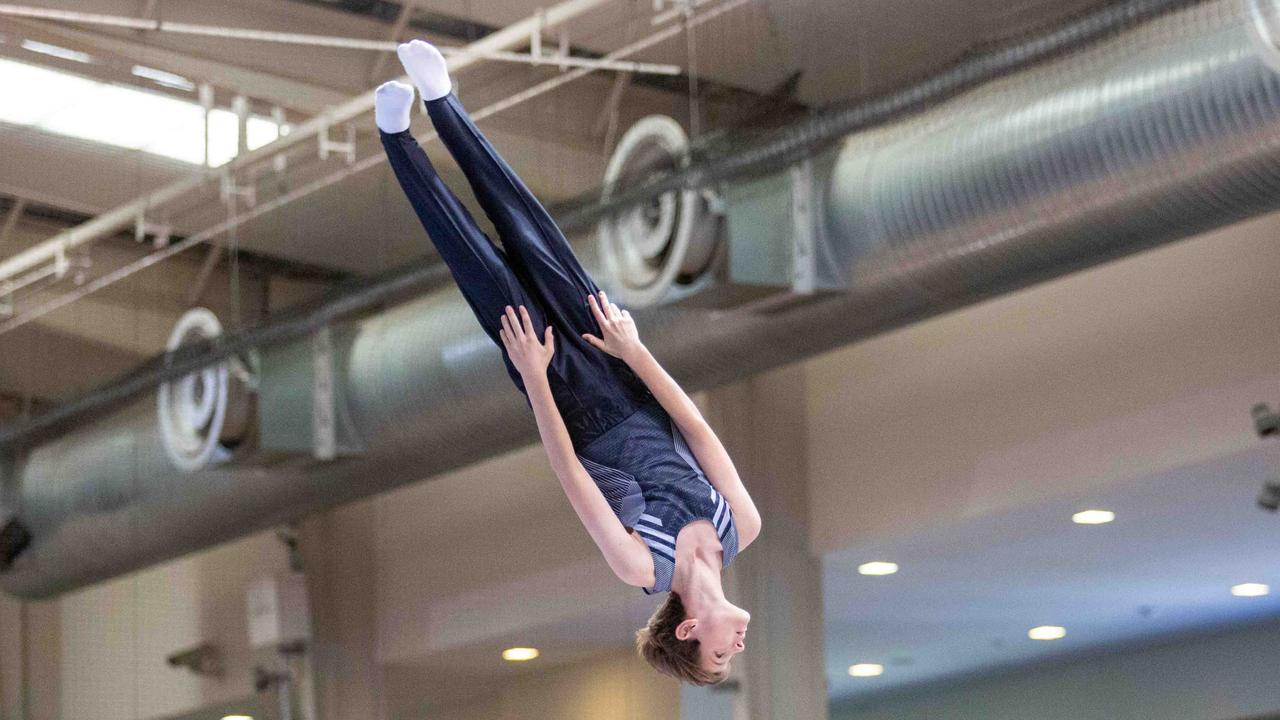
782 676
339 558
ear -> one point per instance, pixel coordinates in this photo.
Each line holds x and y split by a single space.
685 630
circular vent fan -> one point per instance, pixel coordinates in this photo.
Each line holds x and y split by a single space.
192 410
652 251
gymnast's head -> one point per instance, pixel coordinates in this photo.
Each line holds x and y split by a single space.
696 648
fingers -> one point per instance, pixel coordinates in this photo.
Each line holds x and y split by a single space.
613 311
506 327
610 310
513 323
595 310
527 322
604 310
595 341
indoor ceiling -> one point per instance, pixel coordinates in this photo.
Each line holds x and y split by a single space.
966 595
839 51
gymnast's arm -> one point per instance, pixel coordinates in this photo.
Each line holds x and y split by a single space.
627 556
623 341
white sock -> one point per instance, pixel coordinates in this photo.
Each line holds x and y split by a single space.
392 102
427 69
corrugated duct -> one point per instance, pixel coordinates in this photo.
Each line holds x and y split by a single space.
1167 129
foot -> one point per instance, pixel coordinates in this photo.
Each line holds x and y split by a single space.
392 102
427 69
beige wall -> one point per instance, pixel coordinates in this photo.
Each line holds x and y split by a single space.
30 666
610 687
99 653
1148 363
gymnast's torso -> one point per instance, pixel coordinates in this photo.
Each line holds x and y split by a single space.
655 486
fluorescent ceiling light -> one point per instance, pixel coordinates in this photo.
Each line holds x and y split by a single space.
1047 632
57 51
127 117
877 568
519 654
237 717
1093 517
162 77
1251 590
866 670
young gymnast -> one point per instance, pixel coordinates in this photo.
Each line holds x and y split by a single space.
643 470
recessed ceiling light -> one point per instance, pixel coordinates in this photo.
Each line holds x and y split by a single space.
1047 632
878 568
519 654
1093 517
237 717
1250 589
865 670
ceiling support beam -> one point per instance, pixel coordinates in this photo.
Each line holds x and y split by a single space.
562 59
510 37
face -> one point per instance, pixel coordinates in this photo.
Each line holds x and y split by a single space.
721 633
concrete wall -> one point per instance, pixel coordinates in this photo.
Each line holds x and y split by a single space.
99 654
612 687
1224 676
1151 363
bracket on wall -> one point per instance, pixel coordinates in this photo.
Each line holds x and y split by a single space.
345 148
231 191
1266 422
324 430
161 233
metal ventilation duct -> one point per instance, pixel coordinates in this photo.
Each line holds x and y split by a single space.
1163 131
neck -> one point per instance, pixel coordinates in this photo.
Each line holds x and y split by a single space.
697 576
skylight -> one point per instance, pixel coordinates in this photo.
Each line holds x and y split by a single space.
57 51
127 117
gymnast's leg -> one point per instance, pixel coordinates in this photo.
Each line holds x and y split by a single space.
603 386
479 267
536 247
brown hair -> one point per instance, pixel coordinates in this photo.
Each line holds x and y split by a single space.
658 644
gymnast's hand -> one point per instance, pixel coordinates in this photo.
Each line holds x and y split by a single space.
619 336
528 355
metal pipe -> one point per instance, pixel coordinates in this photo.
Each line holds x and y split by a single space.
123 216
328 41
1150 136
790 144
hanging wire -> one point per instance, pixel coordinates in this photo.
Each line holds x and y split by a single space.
134 585
233 257
691 53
